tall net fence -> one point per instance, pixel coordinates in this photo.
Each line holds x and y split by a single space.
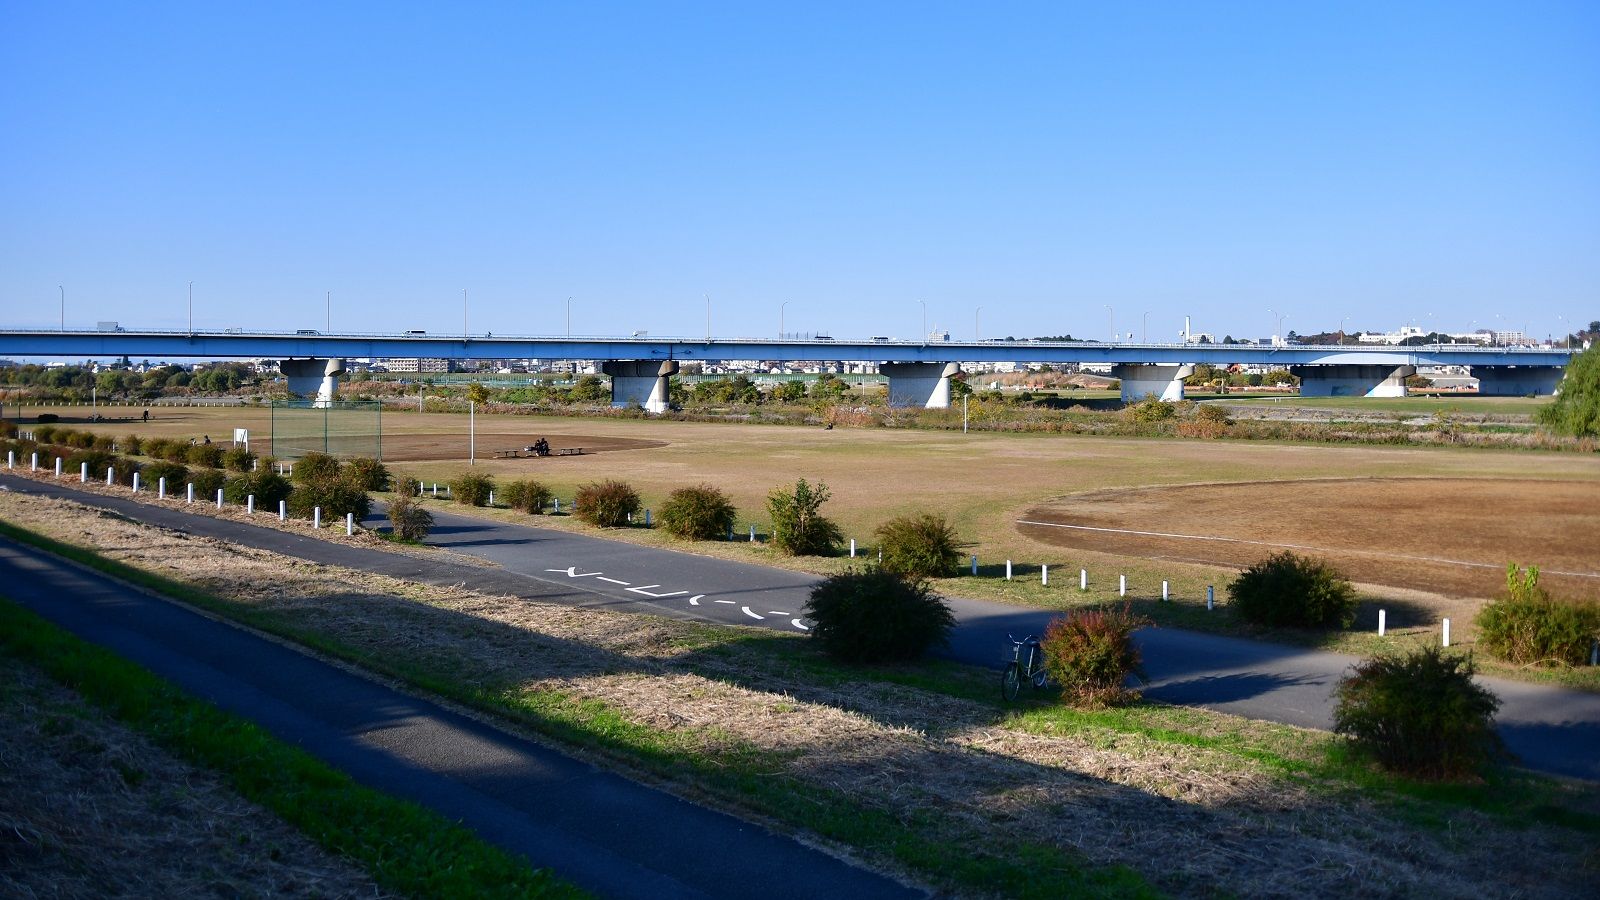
342 428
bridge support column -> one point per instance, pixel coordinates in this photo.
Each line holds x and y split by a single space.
644 382
919 384
1139 380
1353 381
1517 381
313 379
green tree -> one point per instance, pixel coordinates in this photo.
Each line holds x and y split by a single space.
477 393
798 527
1576 410
591 389
790 391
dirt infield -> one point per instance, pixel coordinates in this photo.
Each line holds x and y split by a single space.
1450 536
434 447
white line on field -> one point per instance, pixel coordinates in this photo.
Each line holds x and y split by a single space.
1228 540
753 615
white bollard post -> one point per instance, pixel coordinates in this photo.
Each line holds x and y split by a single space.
219 498
852 548
349 524
191 492
316 517
161 488
111 474
974 565
11 459
1163 591
1044 575
283 510
1083 579
1122 585
83 473
1211 596
1008 570
58 467
1383 622
752 534
436 489
558 506
491 498
136 482
250 504
1447 632
33 464
647 520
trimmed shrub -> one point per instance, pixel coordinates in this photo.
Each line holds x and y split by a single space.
157 448
206 481
208 455
336 496
922 546
42 418
314 467
528 496
176 451
409 520
1296 591
175 474
268 487
98 461
471 489
131 444
238 459
1529 626
1419 713
699 513
105 442
877 616
368 472
408 487
1151 409
607 504
798 528
1090 653
7 429
46 434
82 440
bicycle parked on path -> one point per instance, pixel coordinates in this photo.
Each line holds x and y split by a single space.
1027 665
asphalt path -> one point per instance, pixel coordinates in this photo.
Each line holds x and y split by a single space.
610 835
1548 729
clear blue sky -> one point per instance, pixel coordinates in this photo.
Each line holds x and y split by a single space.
1378 161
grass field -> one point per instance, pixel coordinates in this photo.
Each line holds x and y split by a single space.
1421 405
984 482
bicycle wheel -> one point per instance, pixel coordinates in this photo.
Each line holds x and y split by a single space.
1011 682
1037 674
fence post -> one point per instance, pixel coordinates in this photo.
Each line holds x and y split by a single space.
219 498
316 517
1383 622
1008 570
1211 595
283 510
1122 585
349 524
250 504
1447 632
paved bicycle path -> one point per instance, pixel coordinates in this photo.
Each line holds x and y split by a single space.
612 836
1549 729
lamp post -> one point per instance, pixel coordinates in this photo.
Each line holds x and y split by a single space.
1278 328
463 314
1144 335
63 306
191 307
708 318
977 335
924 320
569 317
1112 319
780 318
327 325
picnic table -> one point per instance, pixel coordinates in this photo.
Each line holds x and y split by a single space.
528 453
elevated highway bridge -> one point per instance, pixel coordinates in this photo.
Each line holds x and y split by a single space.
918 371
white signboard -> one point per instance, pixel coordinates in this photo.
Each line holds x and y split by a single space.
242 436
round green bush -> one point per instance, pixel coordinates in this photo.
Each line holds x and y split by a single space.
98 461
922 546
699 513
877 616
1286 590
409 521
208 455
175 474
131 444
267 486
607 504
335 496
1528 626
368 472
798 526
238 459
527 496
472 489
314 467
1419 713
206 482
1090 653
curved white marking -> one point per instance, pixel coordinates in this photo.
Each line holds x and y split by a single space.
695 600
796 623
753 615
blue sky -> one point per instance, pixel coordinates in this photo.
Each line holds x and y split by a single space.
1376 162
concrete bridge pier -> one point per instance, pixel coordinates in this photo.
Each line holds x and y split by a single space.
1139 380
925 384
313 379
1352 380
644 382
1518 381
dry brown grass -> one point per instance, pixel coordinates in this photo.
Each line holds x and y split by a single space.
89 808
1193 821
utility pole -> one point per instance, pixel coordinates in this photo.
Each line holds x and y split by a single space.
569 317
63 306
463 314
327 326
708 318
977 335
191 307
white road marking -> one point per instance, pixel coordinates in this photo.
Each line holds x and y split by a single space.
720 601
615 581
695 600
777 612
796 623
645 590
1228 540
572 572
753 615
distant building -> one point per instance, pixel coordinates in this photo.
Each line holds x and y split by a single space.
425 364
